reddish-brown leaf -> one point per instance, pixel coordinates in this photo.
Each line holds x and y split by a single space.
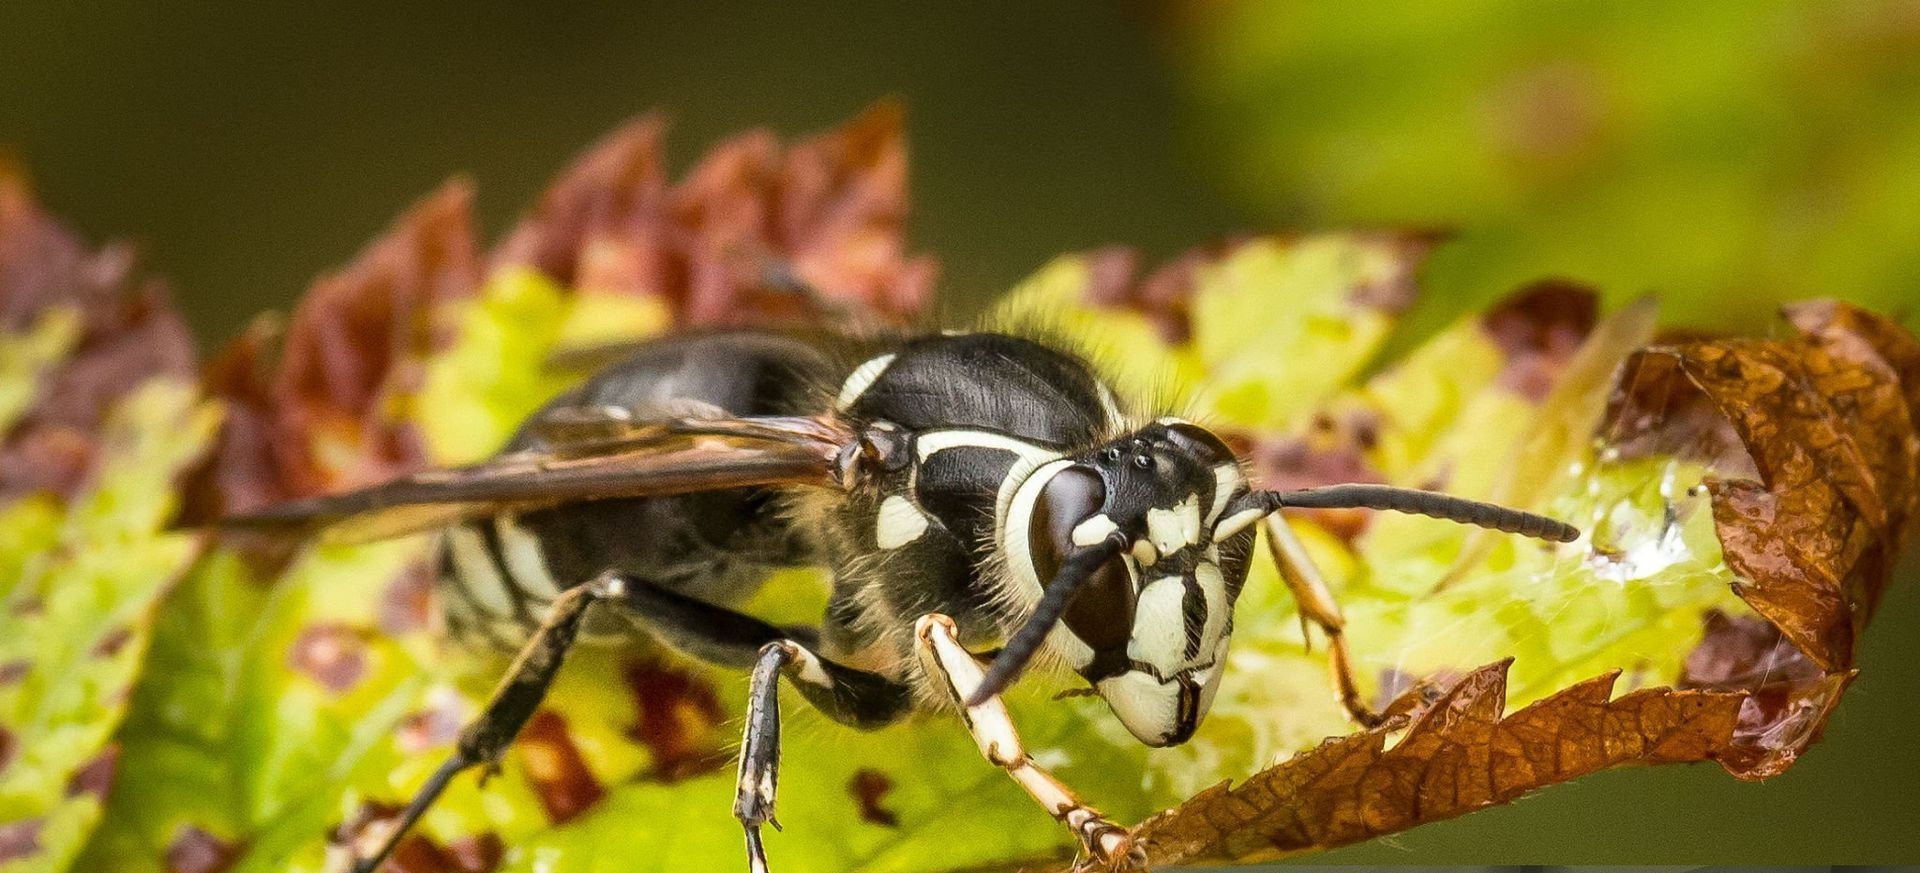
555 768
319 415
1813 494
680 719
719 245
129 332
1811 442
1456 756
1539 328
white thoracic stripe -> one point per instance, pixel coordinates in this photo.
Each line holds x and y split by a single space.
899 523
524 559
861 379
934 441
478 572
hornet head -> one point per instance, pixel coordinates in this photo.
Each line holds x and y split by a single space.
1149 625
1132 554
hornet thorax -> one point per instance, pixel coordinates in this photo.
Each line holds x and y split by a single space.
984 457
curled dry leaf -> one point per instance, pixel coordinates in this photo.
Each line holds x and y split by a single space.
1460 753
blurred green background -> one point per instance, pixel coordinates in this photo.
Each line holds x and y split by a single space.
1727 156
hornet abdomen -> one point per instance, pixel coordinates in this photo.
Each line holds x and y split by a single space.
500 573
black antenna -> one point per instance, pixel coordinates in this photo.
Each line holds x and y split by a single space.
1026 642
1426 503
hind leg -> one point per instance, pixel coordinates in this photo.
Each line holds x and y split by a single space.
513 702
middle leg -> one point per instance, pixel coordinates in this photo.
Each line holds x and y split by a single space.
721 636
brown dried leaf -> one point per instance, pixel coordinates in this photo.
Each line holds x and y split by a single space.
326 411
1815 512
1812 444
1456 756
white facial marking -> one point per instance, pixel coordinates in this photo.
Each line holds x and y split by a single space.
1093 530
1144 553
1160 624
861 379
1226 479
1148 708
1209 679
1015 513
1213 590
899 523
1174 529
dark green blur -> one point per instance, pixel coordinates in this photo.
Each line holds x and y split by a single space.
250 147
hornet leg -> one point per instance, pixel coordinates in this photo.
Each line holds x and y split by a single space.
993 731
851 697
1318 606
513 702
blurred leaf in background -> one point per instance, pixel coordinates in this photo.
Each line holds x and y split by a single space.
1763 142
1728 156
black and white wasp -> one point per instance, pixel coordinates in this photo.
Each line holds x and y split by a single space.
966 490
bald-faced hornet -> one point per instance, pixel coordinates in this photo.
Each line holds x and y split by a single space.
966 490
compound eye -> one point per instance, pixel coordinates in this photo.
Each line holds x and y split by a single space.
1202 443
1101 613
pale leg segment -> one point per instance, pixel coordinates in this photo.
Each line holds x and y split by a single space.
942 655
1318 606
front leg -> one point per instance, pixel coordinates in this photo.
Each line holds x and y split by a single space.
993 731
